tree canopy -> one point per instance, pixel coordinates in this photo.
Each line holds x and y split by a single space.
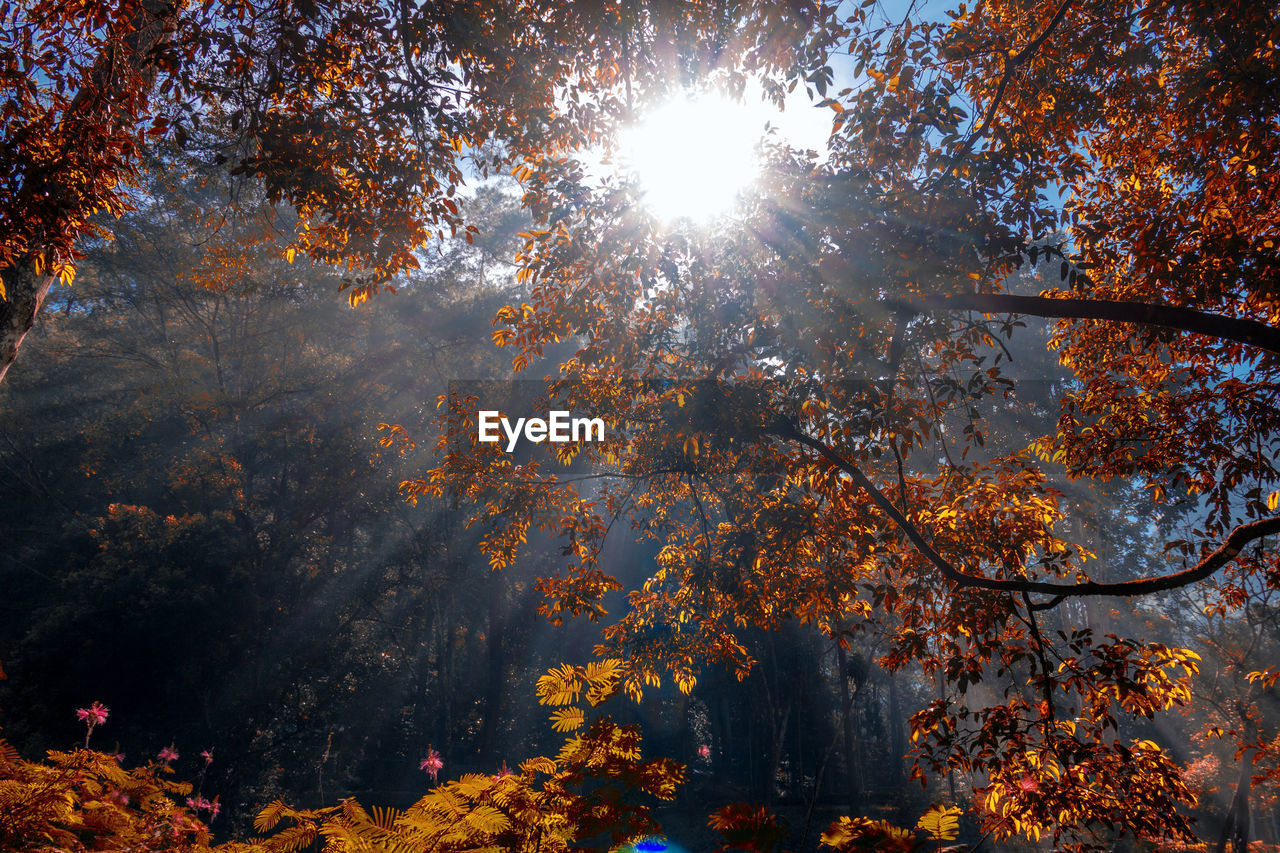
357 116
821 411
817 434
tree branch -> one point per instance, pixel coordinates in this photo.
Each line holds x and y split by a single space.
1011 64
1251 332
1210 563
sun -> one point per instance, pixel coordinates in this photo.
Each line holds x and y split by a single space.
693 155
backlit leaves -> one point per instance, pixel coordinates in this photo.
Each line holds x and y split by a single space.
598 785
776 388
748 827
567 719
940 823
84 800
790 353
859 833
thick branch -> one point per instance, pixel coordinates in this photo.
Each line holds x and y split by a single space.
1249 332
1210 563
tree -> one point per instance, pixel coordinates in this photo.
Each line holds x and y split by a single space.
359 117
201 530
807 407
803 405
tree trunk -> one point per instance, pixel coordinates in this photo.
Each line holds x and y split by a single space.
897 739
114 99
852 788
495 683
25 292
775 753
1235 830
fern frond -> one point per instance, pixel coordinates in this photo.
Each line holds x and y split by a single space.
11 792
487 820
269 816
447 802
385 818
353 811
859 834
342 837
473 786
367 836
567 719
292 839
941 823
604 678
560 686
540 764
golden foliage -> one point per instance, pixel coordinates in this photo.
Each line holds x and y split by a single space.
804 426
940 823
748 827
598 785
860 833
84 800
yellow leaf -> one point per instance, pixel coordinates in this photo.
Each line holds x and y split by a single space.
1273 501
941 823
540 764
560 686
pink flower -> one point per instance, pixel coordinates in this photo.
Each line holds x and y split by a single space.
168 754
207 755
1028 784
503 772
704 752
199 803
432 763
94 715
